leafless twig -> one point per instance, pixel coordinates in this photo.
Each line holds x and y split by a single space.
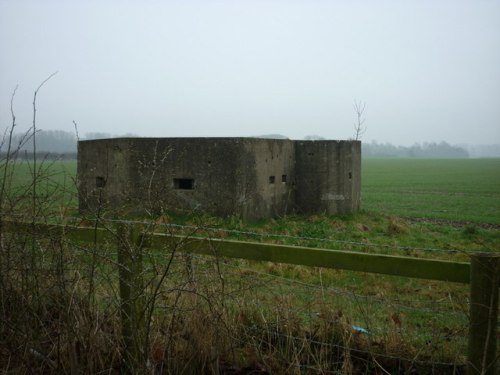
359 128
76 130
34 140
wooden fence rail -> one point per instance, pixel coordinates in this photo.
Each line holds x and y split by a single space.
482 273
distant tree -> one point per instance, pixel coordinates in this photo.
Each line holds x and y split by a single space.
57 141
53 141
443 150
273 136
483 151
97 135
428 150
314 138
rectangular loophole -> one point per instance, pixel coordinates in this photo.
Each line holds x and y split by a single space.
272 179
184 183
100 182
283 178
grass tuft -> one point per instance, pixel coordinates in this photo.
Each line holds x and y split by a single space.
396 226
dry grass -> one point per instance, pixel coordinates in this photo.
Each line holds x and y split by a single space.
207 319
396 226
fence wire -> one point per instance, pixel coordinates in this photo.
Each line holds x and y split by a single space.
287 306
219 230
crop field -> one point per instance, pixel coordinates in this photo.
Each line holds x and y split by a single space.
287 315
456 190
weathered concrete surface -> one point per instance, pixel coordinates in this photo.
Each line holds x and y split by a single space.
330 176
102 163
273 163
248 177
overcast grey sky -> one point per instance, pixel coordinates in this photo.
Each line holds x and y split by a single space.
427 70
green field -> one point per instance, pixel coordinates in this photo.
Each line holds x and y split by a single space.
458 190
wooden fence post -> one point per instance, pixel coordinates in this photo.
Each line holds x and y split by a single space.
131 296
484 282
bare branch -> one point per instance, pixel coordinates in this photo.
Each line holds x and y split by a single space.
34 140
76 131
9 150
44 82
13 124
359 128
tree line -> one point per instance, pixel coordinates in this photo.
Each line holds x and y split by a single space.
53 143
432 150
50 144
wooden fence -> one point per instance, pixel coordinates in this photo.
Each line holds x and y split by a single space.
482 273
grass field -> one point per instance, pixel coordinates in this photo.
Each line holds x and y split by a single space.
461 190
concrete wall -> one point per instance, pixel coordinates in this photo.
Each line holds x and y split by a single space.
273 166
330 176
103 163
195 175
247 177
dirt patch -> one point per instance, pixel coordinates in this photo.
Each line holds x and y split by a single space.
452 223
